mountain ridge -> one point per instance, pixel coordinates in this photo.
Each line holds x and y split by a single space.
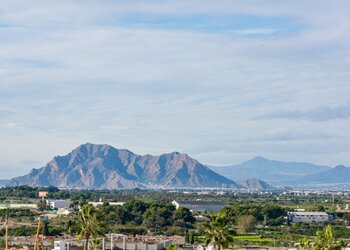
271 171
340 174
103 166
256 185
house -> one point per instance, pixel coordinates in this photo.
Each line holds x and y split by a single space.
309 217
64 211
56 204
59 245
201 218
200 205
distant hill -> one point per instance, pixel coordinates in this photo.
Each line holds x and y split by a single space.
4 183
256 185
339 174
274 172
103 166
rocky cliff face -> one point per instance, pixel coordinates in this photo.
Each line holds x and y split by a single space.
103 166
256 185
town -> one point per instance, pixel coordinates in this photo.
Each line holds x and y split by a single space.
49 218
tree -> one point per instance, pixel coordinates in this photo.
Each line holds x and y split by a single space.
325 240
171 247
273 214
158 216
45 228
232 213
42 205
96 243
246 223
304 244
218 233
132 211
89 224
183 218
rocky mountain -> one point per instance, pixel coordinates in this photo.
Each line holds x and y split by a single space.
339 175
256 185
274 172
103 166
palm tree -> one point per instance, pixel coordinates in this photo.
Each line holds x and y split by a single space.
325 240
89 224
218 233
96 243
304 244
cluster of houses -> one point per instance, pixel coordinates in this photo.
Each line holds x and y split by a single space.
299 215
201 206
197 206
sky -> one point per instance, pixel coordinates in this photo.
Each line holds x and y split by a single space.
222 81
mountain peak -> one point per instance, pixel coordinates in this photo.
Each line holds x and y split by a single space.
258 159
103 166
338 174
256 185
272 171
340 167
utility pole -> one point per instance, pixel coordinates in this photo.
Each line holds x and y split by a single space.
36 243
7 233
37 236
111 241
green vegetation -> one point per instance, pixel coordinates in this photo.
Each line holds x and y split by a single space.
218 233
248 219
90 224
325 240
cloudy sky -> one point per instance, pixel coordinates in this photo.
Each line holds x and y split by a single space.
220 80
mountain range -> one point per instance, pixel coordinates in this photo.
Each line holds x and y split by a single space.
271 171
337 175
91 166
103 166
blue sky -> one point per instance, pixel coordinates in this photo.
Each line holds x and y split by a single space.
222 81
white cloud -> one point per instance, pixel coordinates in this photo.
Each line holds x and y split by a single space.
70 75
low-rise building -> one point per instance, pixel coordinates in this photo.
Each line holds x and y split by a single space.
309 217
200 205
64 211
100 203
56 204
59 245
18 205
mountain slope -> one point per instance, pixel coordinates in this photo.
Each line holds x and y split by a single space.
339 174
5 182
103 166
256 185
269 170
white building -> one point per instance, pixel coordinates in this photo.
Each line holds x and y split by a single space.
59 245
100 203
56 204
200 205
16 205
309 217
64 211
